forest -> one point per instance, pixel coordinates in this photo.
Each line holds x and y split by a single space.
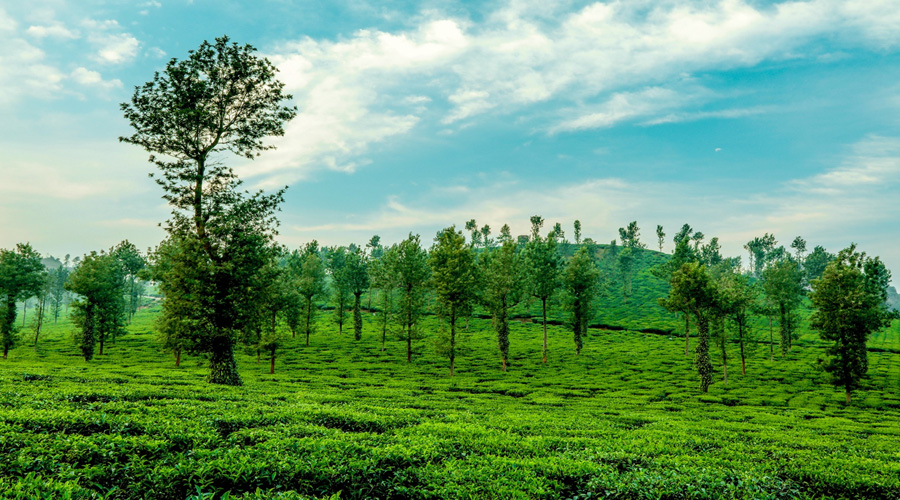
222 364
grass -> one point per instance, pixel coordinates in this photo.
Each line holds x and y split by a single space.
342 419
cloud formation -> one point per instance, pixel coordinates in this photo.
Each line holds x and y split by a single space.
603 64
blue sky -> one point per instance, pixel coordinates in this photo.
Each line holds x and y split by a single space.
737 117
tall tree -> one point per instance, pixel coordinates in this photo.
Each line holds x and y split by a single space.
311 285
101 311
472 228
660 236
454 278
542 264
693 290
221 98
799 246
577 233
411 274
625 265
581 280
850 304
58 288
20 278
816 262
486 240
505 234
383 279
502 286
133 262
760 249
631 236
783 285
683 254
356 274
340 286
739 298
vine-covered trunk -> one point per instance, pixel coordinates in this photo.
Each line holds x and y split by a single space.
222 365
785 334
544 315
357 316
309 306
452 338
87 332
502 325
701 358
6 326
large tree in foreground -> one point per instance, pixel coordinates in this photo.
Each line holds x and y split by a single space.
222 98
695 292
850 304
454 279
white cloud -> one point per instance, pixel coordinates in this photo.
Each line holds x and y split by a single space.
112 45
52 31
88 77
602 65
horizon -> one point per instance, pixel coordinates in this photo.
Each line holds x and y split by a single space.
738 118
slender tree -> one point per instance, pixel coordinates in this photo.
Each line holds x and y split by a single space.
850 304
542 264
631 236
693 290
340 286
683 254
133 262
660 236
20 278
411 274
356 275
739 298
311 285
454 278
221 98
383 279
581 280
503 282
783 285
577 233
100 281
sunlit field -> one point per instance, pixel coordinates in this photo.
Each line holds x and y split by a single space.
342 419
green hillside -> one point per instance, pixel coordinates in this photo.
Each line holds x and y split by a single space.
622 420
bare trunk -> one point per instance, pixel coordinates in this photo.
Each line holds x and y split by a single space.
771 341
848 396
357 316
743 359
177 358
272 363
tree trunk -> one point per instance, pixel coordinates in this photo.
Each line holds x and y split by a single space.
177 358
222 365
452 338
5 351
544 313
272 363
771 341
741 339
687 334
408 343
357 316
701 361
308 319
848 396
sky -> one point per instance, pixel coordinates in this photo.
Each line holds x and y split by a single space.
738 117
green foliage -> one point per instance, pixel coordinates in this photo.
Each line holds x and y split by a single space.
311 284
101 311
410 273
221 98
783 285
503 285
453 278
850 304
356 276
20 278
542 267
581 280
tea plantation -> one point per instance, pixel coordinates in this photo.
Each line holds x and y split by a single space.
341 419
